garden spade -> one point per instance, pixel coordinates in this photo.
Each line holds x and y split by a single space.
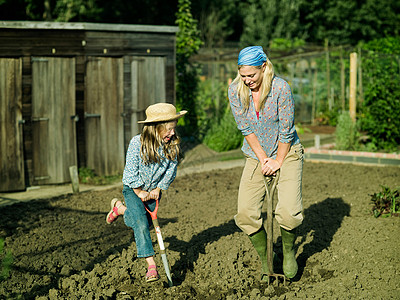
270 185
153 215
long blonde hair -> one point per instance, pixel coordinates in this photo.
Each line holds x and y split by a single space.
151 140
265 88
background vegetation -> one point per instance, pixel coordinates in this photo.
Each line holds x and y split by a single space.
289 31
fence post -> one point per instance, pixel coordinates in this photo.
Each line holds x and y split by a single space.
73 172
353 85
314 91
342 80
328 71
360 87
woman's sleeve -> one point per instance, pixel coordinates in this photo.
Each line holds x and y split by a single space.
236 107
131 176
169 175
286 114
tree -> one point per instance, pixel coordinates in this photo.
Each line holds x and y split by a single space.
76 10
349 21
265 20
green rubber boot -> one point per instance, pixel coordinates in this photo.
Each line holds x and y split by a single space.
259 241
289 266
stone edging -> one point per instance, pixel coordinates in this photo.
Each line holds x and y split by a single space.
357 157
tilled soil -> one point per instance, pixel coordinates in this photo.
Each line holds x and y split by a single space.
63 248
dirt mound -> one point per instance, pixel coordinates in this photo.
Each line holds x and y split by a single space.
63 249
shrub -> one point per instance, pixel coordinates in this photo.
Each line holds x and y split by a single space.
346 133
223 135
381 107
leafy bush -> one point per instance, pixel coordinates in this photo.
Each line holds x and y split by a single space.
223 135
381 107
211 103
6 260
386 203
346 133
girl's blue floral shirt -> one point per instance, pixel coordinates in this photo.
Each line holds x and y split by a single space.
275 122
147 176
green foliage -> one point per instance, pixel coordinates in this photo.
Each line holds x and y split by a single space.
223 134
250 21
211 104
381 107
6 260
77 10
349 21
265 20
215 21
300 129
188 42
285 44
346 133
386 203
88 176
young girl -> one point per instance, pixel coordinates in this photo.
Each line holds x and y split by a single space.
151 165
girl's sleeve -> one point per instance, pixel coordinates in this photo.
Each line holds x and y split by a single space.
131 175
169 175
286 114
236 107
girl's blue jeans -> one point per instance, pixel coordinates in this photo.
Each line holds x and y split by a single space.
139 220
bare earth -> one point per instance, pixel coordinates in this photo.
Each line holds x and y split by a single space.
63 249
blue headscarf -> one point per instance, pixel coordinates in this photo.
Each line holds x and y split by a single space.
252 56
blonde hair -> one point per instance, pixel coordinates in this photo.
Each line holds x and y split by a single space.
151 140
265 88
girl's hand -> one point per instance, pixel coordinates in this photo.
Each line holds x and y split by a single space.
155 194
145 196
270 166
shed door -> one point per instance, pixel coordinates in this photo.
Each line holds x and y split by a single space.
148 86
11 143
53 119
104 134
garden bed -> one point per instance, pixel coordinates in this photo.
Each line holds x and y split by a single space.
63 249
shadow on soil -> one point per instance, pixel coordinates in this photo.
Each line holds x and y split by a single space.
191 250
321 220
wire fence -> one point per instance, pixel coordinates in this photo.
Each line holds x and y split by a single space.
319 78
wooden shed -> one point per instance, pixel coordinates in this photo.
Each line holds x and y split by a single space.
72 93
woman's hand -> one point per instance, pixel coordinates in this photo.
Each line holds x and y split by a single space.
270 166
155 194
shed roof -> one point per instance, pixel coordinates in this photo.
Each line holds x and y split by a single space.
87 26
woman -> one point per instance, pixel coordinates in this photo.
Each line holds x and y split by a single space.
263 107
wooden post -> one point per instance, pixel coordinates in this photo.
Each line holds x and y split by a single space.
73 173
360 87
309 93
353 85
342 81
328 71
314 92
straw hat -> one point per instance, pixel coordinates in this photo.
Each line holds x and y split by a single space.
162 112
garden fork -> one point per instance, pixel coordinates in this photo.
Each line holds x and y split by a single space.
270 185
